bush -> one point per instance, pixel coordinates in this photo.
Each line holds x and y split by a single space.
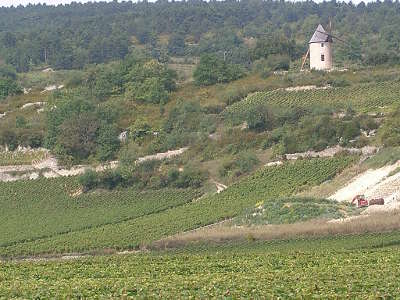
110 179
238 165
389 133
88 180
190 177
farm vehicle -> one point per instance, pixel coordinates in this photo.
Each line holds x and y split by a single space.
361 201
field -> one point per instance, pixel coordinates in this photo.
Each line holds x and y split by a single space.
353 267
144 225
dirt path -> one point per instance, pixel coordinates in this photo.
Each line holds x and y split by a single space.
220 186
329 152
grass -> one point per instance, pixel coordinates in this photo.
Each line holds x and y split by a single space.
292 210
354 267
224 233
385 156
266 184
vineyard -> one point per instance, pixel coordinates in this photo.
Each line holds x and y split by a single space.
348 267
362 97
35 209
265 185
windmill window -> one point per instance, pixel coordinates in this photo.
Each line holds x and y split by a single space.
322 45
322 57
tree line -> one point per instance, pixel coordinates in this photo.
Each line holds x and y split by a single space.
75 35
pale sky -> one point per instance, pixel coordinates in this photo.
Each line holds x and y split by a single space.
56 2
49 2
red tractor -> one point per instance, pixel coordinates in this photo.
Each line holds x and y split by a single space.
362 202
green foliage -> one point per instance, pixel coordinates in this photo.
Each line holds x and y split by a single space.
148 81
78 138
314 132
292 210
107 142
76 129
88 180
149 174
8 82
276 49
339 82
176 44
390 131
274 62
240 164
283 28
385 156
104 81
139 130
211 70
190 177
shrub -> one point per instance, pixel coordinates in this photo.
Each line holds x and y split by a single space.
190 177
339 82
238 165
88 180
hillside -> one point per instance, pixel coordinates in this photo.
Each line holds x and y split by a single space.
134 145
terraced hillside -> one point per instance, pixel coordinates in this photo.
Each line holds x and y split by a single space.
265 185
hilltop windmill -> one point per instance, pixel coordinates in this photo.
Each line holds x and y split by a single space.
320 50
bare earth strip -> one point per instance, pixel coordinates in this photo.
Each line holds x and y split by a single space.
374 184
49 167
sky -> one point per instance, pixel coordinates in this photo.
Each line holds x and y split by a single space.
55 2
49 2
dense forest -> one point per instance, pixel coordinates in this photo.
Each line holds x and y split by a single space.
72 36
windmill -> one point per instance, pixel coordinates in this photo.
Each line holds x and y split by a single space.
320 49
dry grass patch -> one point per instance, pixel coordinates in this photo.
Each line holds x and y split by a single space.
380 222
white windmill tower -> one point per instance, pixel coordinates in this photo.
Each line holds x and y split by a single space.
320 50
320 47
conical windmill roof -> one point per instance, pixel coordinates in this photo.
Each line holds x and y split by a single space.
320 36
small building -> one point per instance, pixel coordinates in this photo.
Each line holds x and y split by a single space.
320 47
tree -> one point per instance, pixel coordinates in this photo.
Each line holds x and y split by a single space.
8 82
176 45
79 134
107 142
211 70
